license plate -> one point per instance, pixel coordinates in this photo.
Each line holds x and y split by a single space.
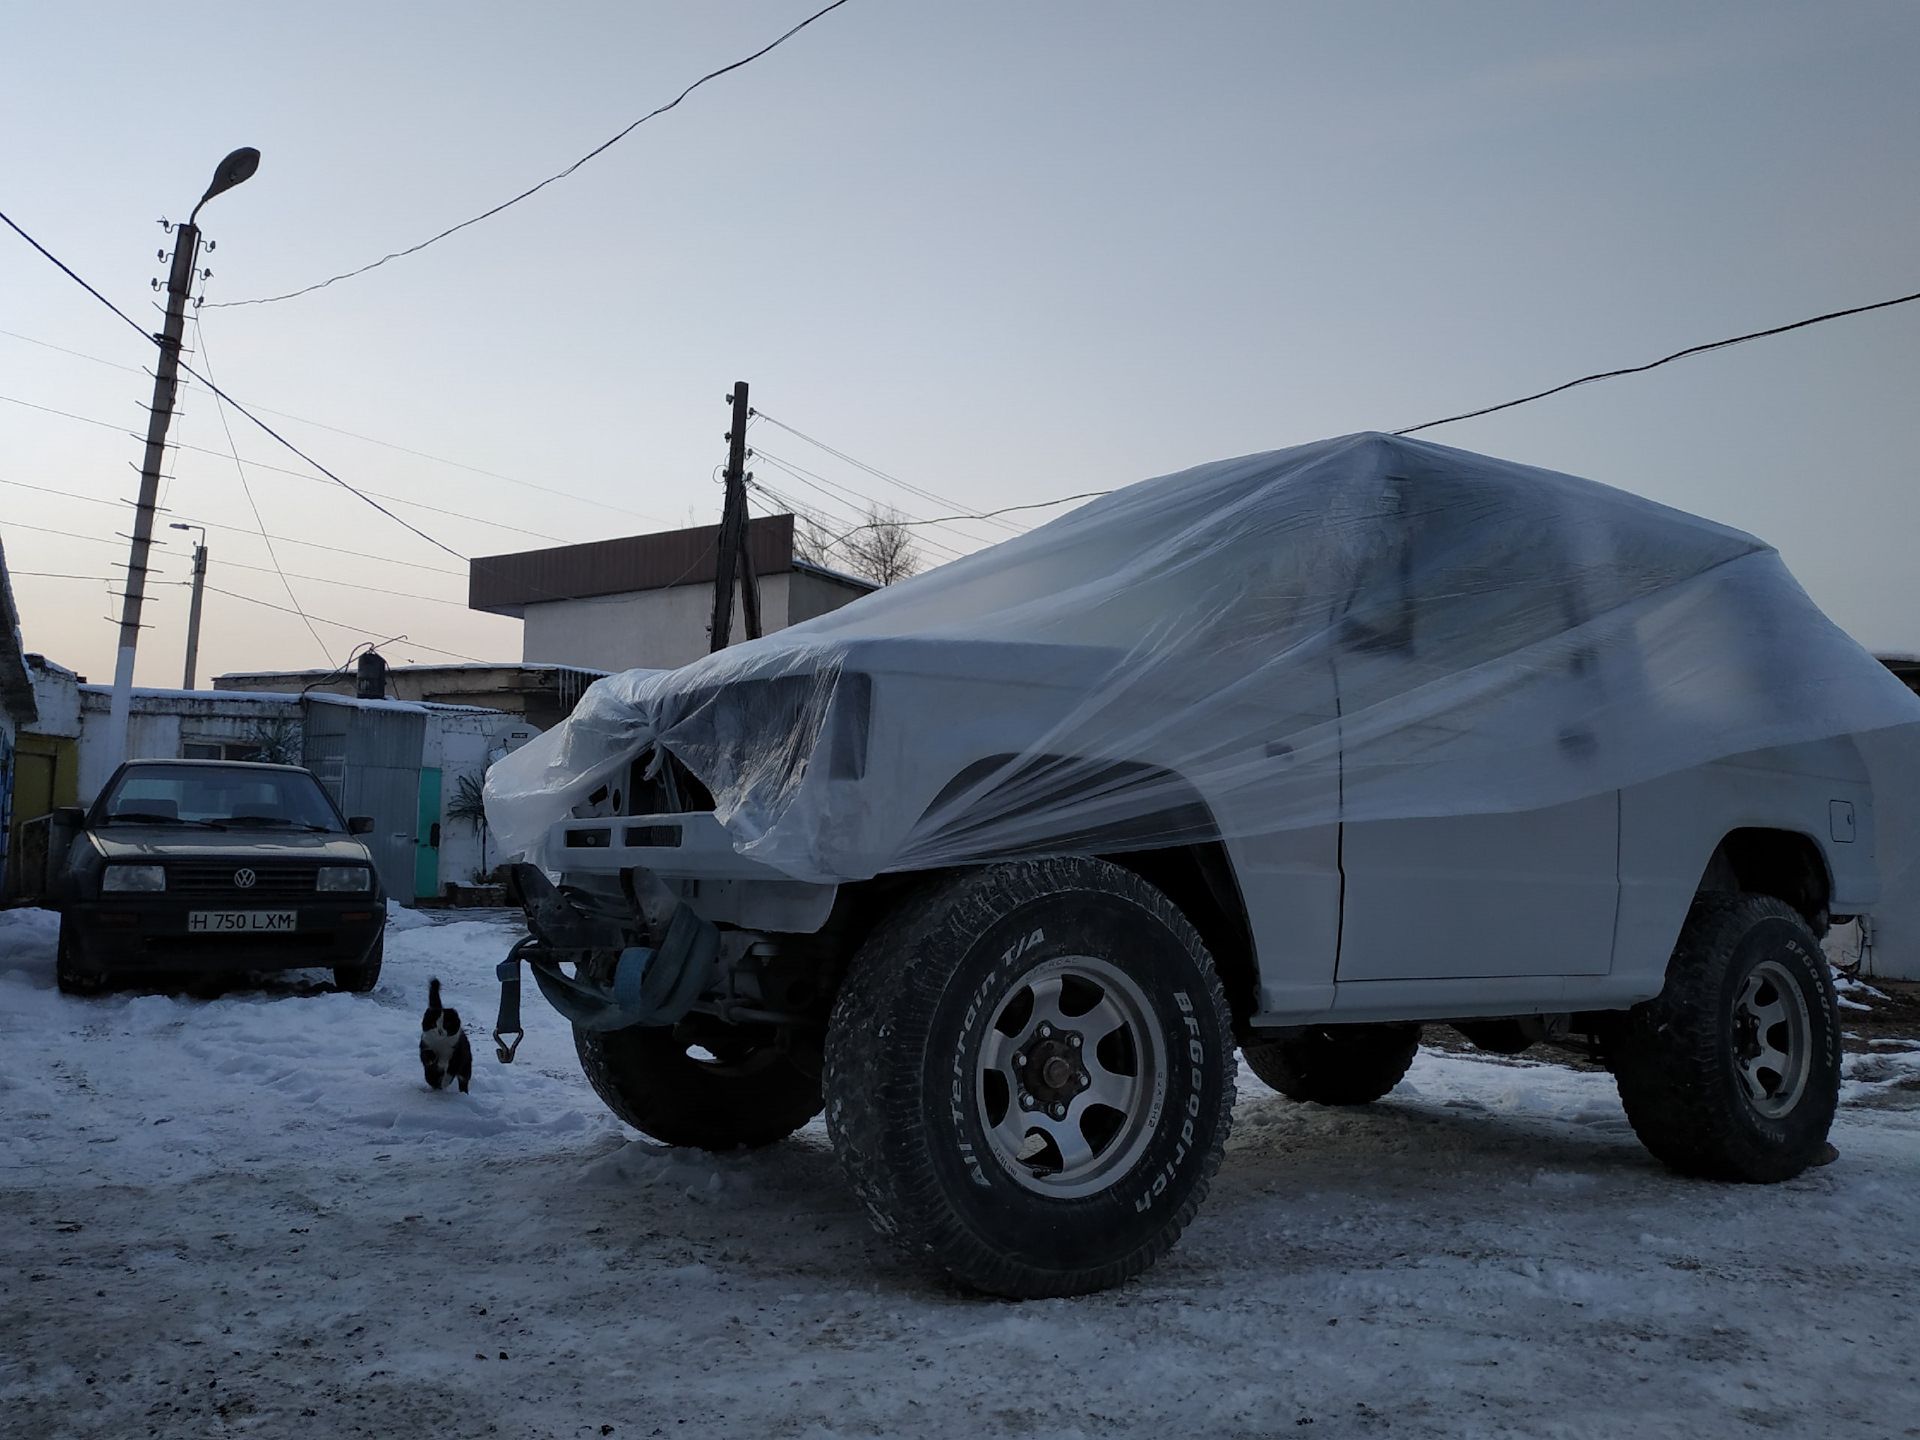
240 922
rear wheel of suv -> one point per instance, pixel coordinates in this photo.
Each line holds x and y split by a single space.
70 970
1733 1071
1030 1076
1335 1064
361 978
715 1088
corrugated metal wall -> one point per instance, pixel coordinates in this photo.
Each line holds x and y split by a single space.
369 760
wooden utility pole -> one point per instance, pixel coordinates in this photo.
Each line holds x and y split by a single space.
186 253
733 557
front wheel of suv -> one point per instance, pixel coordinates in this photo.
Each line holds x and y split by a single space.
1733 1071
1029 1076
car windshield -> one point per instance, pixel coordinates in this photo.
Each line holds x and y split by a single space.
218 795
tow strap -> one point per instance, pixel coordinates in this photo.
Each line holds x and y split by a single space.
650 987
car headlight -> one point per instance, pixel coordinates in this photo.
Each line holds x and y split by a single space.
354 878
134 877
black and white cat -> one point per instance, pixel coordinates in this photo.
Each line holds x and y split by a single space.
444 1052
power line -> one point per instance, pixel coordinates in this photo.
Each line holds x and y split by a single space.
368 439
252 504
233 594
238 565
848 495
984 515
77 354
828 487
878 474
240 530
346 584
67 534
1666 360
338 624
132 324
296 474
526 194
827 525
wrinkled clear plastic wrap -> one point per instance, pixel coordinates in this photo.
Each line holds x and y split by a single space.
1363 628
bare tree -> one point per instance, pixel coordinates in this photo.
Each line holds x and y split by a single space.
812 541
883 549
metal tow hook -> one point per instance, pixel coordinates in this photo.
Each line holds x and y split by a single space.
507 1022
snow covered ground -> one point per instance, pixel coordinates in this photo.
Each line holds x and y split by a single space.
248 1215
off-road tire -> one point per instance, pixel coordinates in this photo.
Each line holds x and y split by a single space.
751 1094
1335 1064
70 972
931 1010
359 979
1677 1058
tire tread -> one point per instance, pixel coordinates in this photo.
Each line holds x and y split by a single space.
1667 1054
884 1010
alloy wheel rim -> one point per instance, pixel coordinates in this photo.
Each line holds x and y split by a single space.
1772 1040
1071 1076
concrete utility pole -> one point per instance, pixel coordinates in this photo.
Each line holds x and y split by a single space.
186 253
733 555
193 610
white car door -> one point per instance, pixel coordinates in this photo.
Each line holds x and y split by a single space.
1462 895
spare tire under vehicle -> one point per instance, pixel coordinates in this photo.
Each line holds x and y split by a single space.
1029 1075
729 1086
1334 1064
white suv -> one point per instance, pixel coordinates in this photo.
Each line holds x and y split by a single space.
1297 753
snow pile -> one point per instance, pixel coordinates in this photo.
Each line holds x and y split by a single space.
315 1066
1854 994
1888 1074
249 1215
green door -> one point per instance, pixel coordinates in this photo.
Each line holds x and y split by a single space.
426 844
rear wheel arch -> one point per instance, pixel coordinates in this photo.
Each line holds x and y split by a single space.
1786 864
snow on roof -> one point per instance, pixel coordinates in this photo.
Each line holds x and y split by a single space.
286 698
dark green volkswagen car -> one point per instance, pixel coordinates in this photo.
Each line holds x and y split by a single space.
196 865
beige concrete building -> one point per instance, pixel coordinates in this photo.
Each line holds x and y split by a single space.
647 600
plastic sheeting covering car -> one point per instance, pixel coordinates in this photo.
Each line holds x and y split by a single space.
1362 628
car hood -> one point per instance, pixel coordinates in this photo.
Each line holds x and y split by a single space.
169 842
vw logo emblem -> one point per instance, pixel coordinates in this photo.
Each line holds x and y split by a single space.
244 879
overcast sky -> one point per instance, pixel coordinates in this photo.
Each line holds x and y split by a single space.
1003 250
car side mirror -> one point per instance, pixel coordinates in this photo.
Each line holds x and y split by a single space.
360 825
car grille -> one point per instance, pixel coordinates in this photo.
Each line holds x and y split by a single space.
203 877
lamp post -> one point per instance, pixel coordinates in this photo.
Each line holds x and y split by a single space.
193 610
231 171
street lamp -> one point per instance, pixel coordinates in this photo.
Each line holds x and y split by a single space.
193 610
238 166
186 252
